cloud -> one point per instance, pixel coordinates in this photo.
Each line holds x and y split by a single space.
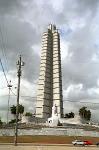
10 7
18 38
22 23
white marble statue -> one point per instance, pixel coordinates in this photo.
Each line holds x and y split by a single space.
54 110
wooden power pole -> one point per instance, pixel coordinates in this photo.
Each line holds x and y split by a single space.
19 64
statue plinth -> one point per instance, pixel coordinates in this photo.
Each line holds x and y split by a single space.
54 120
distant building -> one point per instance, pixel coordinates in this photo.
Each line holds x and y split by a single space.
50 79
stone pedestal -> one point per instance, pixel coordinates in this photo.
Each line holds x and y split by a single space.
54 120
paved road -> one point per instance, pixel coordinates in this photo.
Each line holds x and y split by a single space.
60 147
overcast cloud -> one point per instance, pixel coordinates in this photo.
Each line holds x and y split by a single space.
22 23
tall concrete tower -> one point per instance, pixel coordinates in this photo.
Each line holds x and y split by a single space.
50 79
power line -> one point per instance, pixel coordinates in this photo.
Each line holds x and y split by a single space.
64 100
4 72
71 101
35 97
9 86
3 49
13 93
20 96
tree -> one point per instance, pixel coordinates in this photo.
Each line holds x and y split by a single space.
28 114
13 110
69 115
1 121
21 110
12 121
66 116
84 113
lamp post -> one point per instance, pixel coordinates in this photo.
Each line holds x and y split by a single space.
9 87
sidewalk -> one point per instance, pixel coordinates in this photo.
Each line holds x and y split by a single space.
46 147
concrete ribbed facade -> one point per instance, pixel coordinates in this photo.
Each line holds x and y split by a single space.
50 81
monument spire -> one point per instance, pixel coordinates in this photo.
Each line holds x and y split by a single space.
50 79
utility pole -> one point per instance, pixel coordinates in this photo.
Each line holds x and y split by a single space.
9 87
19 64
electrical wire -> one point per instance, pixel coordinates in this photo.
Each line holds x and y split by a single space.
65 100
68 100
71 101
4 72
8 82
13 92
3 48
6 62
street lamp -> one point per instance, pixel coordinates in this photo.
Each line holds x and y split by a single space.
9 87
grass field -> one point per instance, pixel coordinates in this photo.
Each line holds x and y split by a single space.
46 139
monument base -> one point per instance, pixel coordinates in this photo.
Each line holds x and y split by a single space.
53 121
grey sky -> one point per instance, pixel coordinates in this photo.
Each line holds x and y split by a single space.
22 23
